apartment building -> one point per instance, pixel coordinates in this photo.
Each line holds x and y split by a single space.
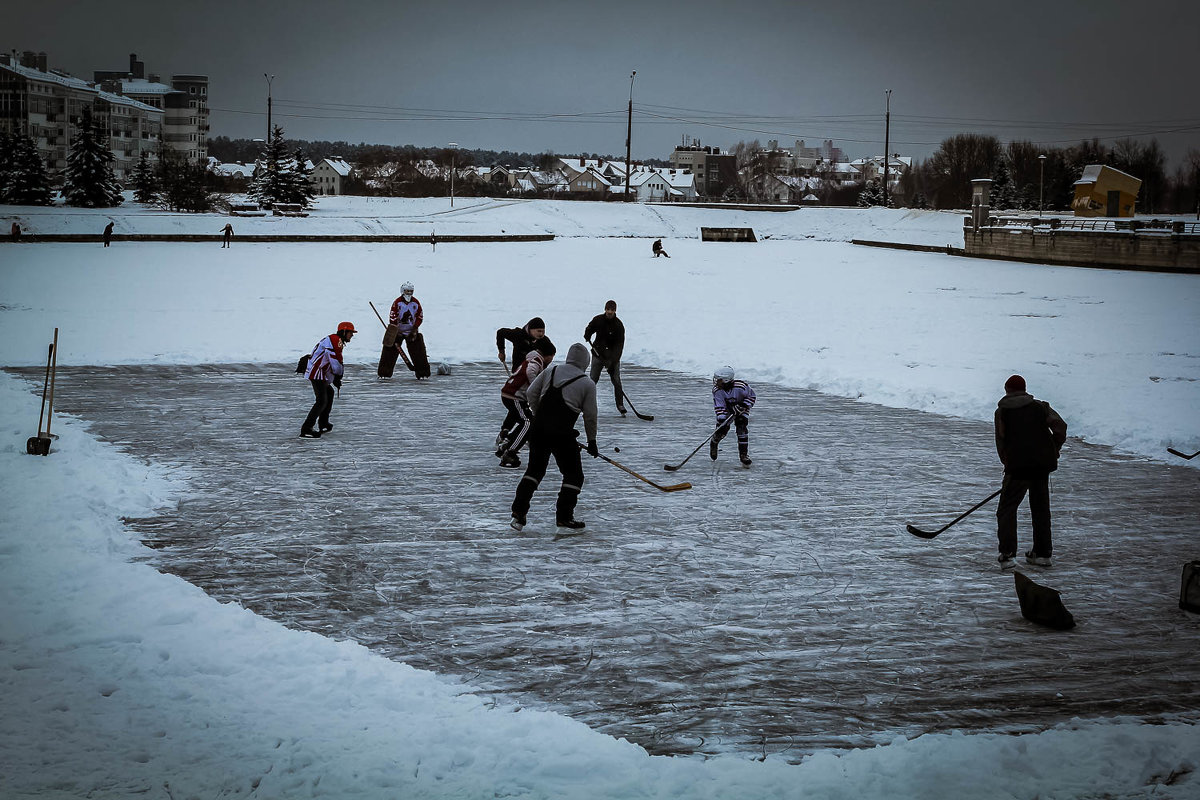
715 171
184 102
48 105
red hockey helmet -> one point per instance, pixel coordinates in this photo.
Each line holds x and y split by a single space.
346 326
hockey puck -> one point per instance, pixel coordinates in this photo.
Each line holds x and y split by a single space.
616 449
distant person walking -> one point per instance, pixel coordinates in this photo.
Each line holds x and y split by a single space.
658 249
227 232
1029 436
607 348
557 397
325 370
108 229
15 231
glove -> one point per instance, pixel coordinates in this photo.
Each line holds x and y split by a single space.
337 381
501 353
741 410
592 449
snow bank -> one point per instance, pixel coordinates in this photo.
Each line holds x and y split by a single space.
119 681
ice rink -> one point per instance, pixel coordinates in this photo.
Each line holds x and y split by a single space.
776 610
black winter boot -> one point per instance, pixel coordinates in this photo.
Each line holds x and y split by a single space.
744 454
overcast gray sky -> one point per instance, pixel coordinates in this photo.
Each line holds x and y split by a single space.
529 75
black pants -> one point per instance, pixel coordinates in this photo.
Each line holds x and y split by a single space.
565 449
517 423
613 365
321 408
1012 492
742 425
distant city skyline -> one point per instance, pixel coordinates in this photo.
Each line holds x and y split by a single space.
539 76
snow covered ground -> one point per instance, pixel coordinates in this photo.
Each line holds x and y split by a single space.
120 681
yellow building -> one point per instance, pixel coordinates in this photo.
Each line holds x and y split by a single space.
1105 192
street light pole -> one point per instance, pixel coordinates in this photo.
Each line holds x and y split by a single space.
629 135
453 147
887 129
269 79
1041 181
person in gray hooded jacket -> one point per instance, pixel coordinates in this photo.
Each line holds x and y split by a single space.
1029 436
556 398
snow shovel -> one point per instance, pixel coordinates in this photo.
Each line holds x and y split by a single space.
40 445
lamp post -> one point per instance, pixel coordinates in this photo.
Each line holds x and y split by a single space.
629 134
1041 181
887 127
269 79
453 146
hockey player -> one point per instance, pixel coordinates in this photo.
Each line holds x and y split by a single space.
513 395
557 397
325 370
1029 436
522 340
732 398
606 350
407 315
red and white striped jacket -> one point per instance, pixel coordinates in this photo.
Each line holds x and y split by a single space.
515 386
407 316
325 363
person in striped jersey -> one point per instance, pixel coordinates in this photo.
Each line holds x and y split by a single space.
513 397
325 370
736 398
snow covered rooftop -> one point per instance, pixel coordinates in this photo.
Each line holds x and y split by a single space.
61 79
143 86
338 165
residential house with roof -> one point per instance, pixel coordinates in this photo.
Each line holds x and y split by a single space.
47 105
590 181
328 175
660 185
1103 191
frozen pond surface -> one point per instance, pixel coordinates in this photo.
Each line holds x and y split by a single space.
778 609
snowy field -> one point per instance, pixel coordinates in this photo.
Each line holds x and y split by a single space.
123 681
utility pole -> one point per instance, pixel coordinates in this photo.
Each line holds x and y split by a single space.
453 149
629 135
269 79
1041 182
887 129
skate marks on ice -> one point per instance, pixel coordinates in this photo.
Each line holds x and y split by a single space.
776 609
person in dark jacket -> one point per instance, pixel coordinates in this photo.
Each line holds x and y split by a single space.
658 249
556 399
522 339
1029 436
108 229
227 235
606 349
15 231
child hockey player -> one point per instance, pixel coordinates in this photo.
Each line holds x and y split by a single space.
732 398
324 371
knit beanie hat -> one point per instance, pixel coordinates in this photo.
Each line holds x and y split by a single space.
1014 384
536 322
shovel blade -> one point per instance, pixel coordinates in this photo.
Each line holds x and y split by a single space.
38 445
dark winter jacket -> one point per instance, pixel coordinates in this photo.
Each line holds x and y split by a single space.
579 396
1029 435
609 333
522 343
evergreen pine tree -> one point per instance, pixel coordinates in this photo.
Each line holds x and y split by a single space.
301 182
145 180
89 178
7 142
1004 193
271 184
27 183
184 185
871 194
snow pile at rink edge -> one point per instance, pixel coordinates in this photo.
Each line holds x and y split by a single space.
119 681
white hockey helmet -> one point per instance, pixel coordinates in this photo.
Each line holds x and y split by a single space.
723 375
406 287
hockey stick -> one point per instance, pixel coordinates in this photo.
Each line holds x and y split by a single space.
724 424
647 417
399 349
931 534
636 413
677 487
1184 456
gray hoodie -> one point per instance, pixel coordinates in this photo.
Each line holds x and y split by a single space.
579 396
